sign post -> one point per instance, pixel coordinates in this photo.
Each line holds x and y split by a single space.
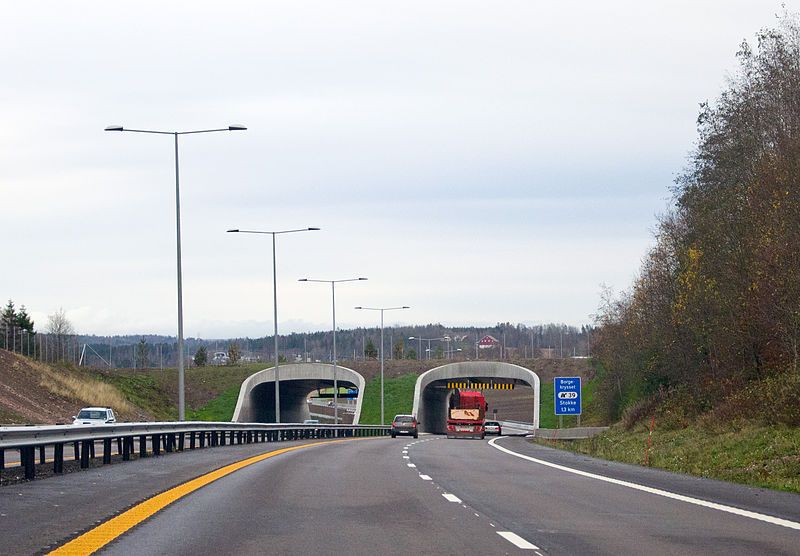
567 391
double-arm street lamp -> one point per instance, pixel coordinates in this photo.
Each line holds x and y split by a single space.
429 340
275 306
382 309
333 300
175 134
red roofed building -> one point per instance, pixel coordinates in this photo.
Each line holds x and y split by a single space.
488 342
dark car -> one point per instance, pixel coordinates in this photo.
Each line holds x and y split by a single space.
493 427
404 424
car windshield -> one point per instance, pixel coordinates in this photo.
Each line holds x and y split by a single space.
404 419
92 414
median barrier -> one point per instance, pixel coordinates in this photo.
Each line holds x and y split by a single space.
167 436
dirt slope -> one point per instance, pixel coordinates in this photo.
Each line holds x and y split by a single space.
23 400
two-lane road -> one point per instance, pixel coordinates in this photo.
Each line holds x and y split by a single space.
425 496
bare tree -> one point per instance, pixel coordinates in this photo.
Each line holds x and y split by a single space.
61 330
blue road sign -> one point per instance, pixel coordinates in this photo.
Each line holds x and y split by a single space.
567 395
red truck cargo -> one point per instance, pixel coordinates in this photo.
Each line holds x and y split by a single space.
467 410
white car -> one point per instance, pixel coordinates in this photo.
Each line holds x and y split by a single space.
94 416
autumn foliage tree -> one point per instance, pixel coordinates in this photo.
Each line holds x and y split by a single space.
717 301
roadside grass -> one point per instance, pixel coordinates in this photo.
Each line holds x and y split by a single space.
211 392
755 455
398 398
83 388
219 409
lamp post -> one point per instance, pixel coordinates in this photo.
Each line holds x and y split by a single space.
382 309
175 134
429 340
333 303
275 306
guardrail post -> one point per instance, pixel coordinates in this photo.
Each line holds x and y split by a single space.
28 457
76 450
191 440
106 451
142 446
2 459
169 442
42 458
58 458
181 440
222 440
85 453
156 441
126 448
91 449
119 445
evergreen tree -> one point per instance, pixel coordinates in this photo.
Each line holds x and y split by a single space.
370 351
201 357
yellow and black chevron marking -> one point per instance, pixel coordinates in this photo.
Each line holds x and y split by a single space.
481 385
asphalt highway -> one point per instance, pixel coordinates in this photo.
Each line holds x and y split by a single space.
426 496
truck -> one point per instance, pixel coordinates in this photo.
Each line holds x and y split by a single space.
465 415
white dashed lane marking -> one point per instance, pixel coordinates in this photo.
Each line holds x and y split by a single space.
452 498
517 541
411 465
425 477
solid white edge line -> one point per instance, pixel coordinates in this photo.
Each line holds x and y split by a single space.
657 491
517 541
451 498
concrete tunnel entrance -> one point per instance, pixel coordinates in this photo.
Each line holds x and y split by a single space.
256 403
432 391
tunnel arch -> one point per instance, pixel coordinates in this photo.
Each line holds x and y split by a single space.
430 393
256 403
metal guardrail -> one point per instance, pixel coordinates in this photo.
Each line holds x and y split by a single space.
171 436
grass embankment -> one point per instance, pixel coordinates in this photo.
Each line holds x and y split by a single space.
741 433
762 456
211 392
398 397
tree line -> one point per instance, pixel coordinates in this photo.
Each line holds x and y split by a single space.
716 304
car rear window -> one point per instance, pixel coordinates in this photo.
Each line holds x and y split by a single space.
493 423
404 419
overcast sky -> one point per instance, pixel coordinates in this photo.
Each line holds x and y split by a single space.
481 162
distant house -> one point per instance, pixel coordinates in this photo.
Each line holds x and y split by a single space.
488 342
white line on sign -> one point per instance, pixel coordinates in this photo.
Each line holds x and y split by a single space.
517 541
658 491
452 498
425 478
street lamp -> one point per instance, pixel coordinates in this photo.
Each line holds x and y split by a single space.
333 303
382 309
175 134
429 340
275 306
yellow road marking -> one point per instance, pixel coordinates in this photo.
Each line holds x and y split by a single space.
95 539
